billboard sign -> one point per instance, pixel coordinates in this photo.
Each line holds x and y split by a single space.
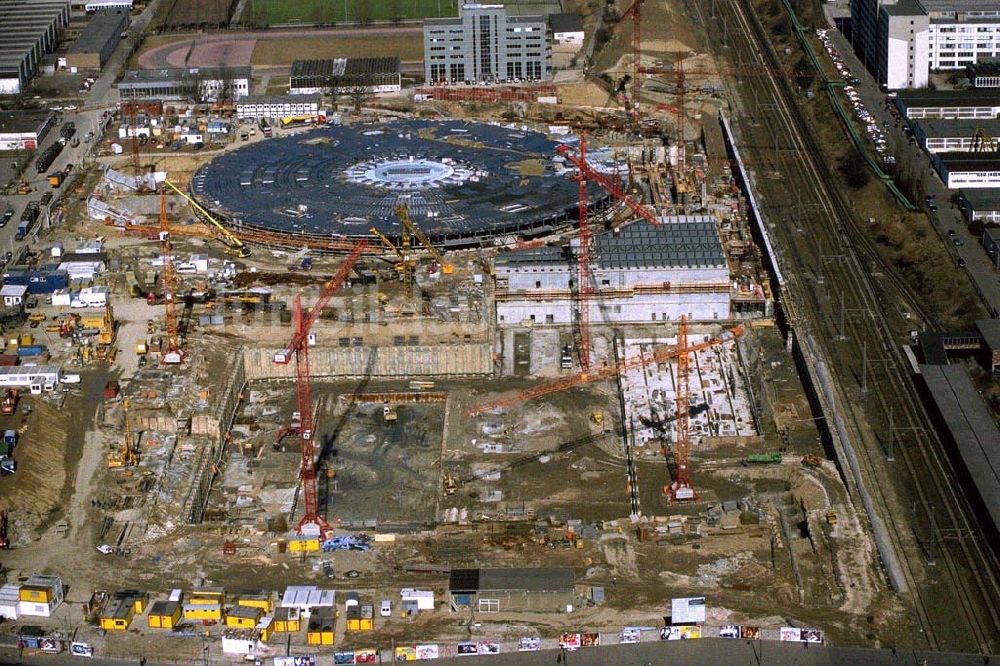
793 634
529 643
687 610
427 652
569 641
631 634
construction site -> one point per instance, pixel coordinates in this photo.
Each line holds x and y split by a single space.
434 334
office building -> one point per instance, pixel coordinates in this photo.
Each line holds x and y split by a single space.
486 45
24 130
902 41
278 106
968 170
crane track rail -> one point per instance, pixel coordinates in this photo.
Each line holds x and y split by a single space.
970 566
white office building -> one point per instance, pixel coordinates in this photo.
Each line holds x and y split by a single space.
278 106
902 41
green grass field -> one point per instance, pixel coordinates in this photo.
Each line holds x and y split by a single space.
336 12
277 12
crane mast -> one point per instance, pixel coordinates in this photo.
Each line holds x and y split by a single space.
583 262
681 489
173 353
298 349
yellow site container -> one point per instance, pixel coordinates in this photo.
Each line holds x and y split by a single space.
118 617
164 615
203 612
207 596
367 618
243 617
321 626
35 593
306 545
261 601
286 620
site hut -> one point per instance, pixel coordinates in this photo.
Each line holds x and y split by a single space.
303 544
205 605
942 136
24 130
93 48
320 630
117 615
646 274
307 598
40 595
968 170
36 378
164 614
137 598
413 601
277 106
13 294
360 617
244 642
243 617
10 600
259 599
542 589
949 104
287 620
980 205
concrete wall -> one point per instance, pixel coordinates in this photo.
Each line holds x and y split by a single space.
639 309
404 362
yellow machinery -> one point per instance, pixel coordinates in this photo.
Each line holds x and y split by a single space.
107 334
449 484
403 213
406 265
126 455
233 244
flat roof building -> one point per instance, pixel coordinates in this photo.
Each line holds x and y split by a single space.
641 274
940 136
202 84
29 29
484 44
984 74
566 28
24 130
278 106
376 75
980 204
968 170
93 48
949 104
543 589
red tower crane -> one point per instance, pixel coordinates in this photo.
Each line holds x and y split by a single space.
173 353
298 348
610 185
681 490
661 355
635 11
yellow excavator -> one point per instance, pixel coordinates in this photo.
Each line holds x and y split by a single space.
403 213
127 454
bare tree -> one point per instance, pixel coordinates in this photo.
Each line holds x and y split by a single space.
358 96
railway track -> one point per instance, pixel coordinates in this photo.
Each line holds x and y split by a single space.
833 240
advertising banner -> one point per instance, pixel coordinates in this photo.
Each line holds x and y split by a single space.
729 631
812 636
529 643
590 640
346 658
427 652
81 650
406 653
487 647
307 660
793 634
569 641
466 648
365 656
750 632
631 635
690 631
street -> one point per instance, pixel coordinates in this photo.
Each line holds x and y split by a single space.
948 217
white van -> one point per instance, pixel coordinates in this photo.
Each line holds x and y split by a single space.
70 378
385 610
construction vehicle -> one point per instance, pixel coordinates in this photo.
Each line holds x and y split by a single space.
403 213
56 178
597 418
127 454
450 486
233 244
831 517
389 412
9 403
297 350
407 263
811 461
762 458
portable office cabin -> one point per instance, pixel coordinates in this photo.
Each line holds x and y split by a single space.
164 614
243 617
305 598
287 620
321 627
118 616
203 612
261 600
40 595
9 600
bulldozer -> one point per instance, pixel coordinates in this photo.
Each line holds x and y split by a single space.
449 484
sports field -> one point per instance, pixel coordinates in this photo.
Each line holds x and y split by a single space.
279 12
336 12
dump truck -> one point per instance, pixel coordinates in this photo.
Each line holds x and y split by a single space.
56 178
762 458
